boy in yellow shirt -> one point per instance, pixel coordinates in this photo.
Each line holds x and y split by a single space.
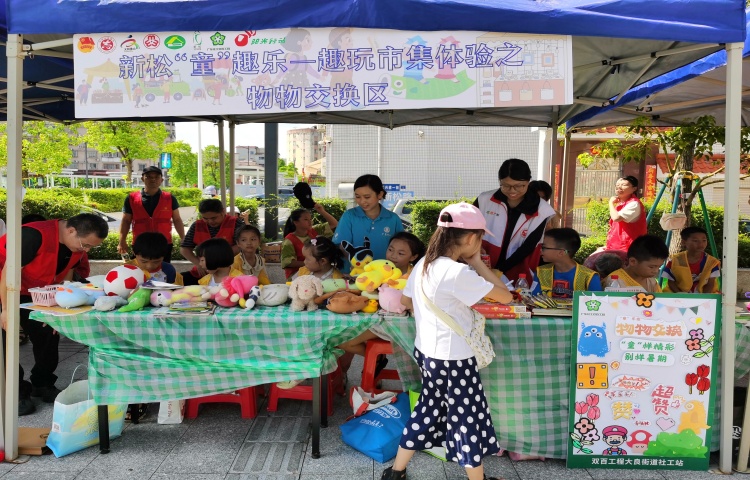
149 250
645 257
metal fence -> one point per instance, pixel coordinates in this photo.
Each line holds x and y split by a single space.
590 185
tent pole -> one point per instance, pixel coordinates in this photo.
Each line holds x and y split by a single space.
222 163
13 262
272 179
550 174
200 157
231 167
729 260
565 178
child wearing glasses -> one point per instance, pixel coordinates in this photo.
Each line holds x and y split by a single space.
562 275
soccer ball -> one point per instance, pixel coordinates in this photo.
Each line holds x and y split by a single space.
122 280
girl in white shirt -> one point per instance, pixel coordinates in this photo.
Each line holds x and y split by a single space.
452 410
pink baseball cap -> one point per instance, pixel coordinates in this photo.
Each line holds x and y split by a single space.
464 216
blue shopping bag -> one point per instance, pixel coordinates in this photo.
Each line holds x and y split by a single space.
378 432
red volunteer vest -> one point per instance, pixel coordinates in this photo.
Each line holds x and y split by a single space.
41 271
297 243
621 234
161 221
201 234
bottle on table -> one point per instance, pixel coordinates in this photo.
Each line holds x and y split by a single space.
615 282
522 285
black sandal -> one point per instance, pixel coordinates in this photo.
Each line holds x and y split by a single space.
380 364
391 474
140 408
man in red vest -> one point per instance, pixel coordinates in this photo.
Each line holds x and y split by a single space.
151 210
58 243
214 223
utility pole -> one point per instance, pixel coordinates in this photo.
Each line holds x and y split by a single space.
86 156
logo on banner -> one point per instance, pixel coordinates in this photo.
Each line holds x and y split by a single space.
243 39
86 44
107 44
174 42
151 41
218 39
129 44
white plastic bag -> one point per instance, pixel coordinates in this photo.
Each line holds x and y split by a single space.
171 412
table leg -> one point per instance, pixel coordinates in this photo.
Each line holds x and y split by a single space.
103 429
316 418
324 403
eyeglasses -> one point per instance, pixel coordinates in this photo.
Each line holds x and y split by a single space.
518 187
86 246
553 248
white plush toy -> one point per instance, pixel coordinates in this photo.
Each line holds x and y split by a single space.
105 303
303 292
273 295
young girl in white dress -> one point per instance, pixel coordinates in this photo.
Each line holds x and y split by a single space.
452 410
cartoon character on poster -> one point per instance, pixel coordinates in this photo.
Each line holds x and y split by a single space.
297 42
639 441
593 340
614 436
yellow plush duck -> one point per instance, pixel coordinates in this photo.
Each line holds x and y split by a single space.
371 307
375 273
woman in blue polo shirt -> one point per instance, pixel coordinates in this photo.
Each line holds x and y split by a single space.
368 219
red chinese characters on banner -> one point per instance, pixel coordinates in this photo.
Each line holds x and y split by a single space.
649 190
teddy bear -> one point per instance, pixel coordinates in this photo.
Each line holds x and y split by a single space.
234 289
358 256
375 273
303 291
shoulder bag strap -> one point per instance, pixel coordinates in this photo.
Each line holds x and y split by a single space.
447 319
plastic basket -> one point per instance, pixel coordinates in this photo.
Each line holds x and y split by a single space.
44 296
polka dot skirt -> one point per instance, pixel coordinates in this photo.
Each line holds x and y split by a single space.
452 412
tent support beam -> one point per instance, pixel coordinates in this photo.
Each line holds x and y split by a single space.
271 142
232 162
63 42
729 262
645 56
222 163
643 71
13 262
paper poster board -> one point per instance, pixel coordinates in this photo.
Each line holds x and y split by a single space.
643 380
316 69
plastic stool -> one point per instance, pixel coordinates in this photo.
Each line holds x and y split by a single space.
245 397
372 350
303 392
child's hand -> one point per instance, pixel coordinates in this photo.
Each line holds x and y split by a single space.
319 208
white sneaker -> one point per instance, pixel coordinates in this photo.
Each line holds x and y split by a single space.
289 384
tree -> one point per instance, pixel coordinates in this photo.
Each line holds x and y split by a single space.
184 171
688 142
211 170
45 147
131 140
287 169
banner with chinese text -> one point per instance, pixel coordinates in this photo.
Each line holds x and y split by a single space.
643 380
298 70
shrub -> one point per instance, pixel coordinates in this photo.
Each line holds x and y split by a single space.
335 206
424 216
246 204
50 203
107 199
588 246
186 197
108 249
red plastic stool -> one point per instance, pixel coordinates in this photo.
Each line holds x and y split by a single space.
304 392
372 350
245 397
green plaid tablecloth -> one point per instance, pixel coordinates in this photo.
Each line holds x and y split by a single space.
527 384
135 357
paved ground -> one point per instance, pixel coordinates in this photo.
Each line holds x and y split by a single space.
219 445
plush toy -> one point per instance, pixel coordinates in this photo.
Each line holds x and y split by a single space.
390 299
273 295
375 273
122 280
358 256
107 303
70 297
346 302
303 291
234 289
191 293
161 298
251 299
371 307
137 300
397 282
334 285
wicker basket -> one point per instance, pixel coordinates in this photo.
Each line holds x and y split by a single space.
44 296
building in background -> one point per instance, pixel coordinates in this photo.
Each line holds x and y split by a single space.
86 160
249 165
306 146
429 162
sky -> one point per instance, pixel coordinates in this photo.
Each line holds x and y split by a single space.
251 134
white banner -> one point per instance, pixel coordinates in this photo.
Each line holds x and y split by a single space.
298 70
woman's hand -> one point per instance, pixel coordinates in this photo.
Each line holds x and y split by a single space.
613 200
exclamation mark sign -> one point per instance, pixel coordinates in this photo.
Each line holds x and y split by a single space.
592 374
